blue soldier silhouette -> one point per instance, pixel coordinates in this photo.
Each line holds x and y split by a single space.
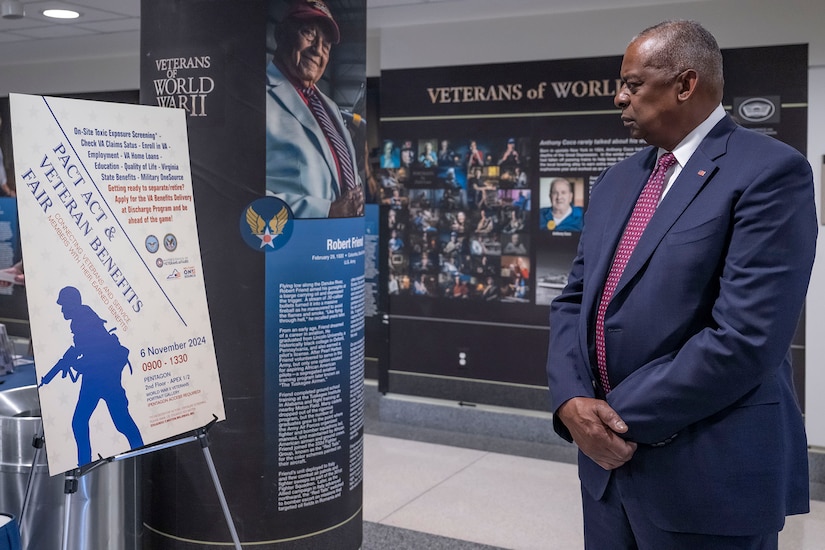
99 358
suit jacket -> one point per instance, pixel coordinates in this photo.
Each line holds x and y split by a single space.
698 334
300 167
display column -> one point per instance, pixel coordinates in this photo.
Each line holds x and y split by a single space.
285 289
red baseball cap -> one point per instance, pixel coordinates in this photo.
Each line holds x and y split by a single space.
315 9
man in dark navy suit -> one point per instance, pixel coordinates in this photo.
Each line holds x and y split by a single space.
669 360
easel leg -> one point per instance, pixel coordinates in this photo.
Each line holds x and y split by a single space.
71 483
221 497
37 443
69 488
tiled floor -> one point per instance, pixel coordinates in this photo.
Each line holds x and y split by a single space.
427 496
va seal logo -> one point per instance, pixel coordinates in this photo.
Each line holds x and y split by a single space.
170 242
266 224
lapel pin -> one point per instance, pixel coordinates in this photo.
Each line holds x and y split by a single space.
701 172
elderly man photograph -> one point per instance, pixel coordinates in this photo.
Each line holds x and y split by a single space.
310 157
669 362
562 214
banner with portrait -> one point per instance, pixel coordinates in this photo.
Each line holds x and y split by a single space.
273 92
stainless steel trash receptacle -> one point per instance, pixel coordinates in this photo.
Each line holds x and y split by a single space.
103 512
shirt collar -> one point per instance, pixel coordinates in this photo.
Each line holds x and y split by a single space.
691 142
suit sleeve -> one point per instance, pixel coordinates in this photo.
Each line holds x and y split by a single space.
751 321
567 363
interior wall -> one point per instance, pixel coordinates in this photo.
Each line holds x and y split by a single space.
111 64
433 39
419 39
815 327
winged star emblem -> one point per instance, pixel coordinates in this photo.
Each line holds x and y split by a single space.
267 232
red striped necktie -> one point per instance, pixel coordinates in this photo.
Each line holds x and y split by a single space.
334 137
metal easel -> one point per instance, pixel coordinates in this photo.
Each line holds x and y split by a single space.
72 476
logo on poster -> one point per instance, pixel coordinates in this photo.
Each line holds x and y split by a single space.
266 224
170 242
152 244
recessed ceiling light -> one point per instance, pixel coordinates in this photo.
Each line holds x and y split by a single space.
61 14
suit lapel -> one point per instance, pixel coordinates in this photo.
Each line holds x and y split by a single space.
698 173
282 90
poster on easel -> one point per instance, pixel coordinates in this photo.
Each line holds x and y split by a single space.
120 326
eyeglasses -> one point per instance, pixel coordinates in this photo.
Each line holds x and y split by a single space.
311 33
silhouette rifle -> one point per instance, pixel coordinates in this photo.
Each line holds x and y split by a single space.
63 366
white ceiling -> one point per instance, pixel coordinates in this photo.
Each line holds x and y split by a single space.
105 28
109 27
97 17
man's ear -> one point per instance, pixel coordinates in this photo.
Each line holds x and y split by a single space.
687 81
